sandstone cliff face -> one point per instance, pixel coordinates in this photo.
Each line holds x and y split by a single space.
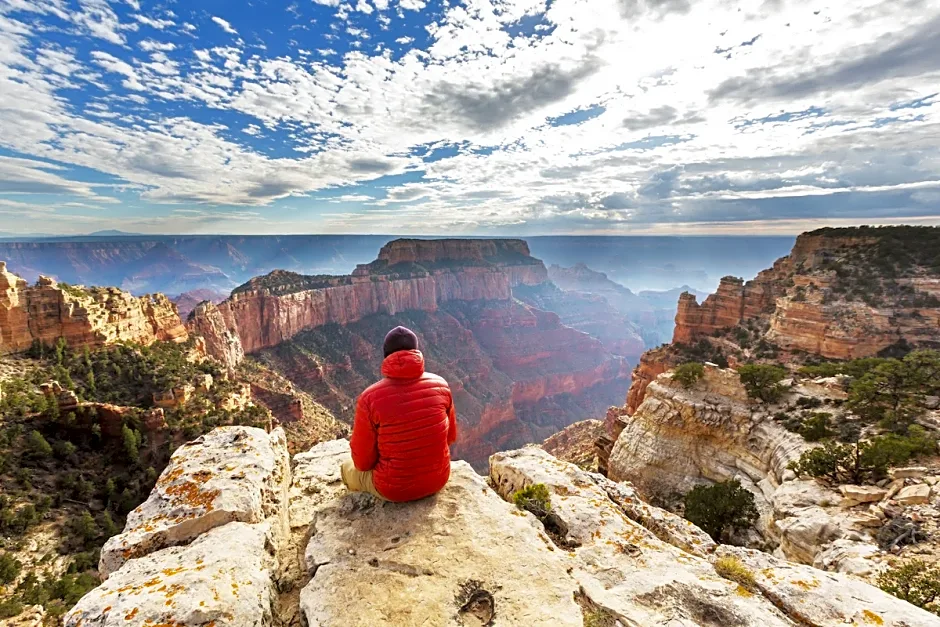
82 316
457 270
518 373
652 364
306 552
678 438
837 296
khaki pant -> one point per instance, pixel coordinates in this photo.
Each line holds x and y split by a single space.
357 480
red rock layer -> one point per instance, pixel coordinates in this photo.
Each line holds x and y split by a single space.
652 364
83 317
802 299
253 319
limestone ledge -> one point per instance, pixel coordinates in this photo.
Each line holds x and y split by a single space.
463 557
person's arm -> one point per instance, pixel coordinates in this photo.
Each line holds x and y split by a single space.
363 444
451 422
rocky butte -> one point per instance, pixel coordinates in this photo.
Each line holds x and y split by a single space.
237 534
81 316
841 293
518 373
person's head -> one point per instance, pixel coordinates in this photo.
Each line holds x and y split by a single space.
400 339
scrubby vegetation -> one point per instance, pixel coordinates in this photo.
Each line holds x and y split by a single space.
688 373
534 498
286 282
762 381
916 582
701 351
733 569
61 474
879 274
865 460
721 509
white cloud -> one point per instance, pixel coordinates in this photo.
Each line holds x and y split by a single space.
627 115
149 45
412 5
157 23
363 6
224 25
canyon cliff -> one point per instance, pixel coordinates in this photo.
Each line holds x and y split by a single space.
841 294
236 533
517 371
81 316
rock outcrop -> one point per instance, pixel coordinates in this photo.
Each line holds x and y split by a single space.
841 294
230 474
409 275
81 316
681 437
463 557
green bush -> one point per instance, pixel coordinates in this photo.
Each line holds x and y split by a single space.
916 582
762 381
38 446
10 568
688 373
720 509
865 460
815 427
535 499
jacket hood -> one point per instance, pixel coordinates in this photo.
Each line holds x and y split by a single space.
403 365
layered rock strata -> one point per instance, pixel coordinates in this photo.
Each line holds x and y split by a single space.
81 316
230 474
682 437
410 275
834 295
467 557
518 372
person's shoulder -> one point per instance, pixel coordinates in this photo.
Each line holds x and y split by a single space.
436 379
369 391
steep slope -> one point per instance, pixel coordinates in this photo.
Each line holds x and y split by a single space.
81 316
187 301
590 313
518 373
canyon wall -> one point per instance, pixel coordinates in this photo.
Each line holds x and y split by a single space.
837 296
275 308
237 534
82 316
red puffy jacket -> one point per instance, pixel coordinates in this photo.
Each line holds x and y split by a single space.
403 430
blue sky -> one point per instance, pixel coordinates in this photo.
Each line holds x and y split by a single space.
477 117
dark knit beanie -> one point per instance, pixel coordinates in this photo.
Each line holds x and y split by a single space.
400 339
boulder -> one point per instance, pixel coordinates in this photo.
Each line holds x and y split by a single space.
621 566
230 474
455 558
856 494
813 597
913 494
224 578
911 472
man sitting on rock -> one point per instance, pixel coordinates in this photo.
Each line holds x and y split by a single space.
403 429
